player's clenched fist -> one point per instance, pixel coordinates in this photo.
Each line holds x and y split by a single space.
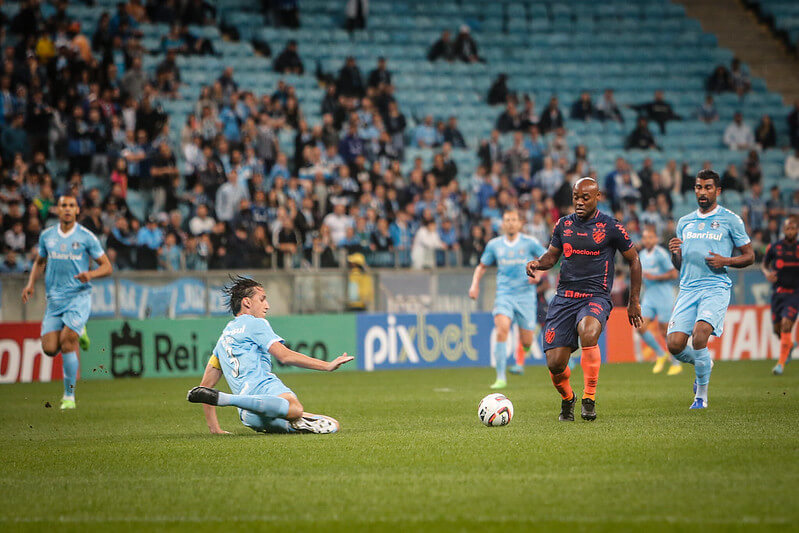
532 266
675 245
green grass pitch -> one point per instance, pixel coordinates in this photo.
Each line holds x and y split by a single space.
412 456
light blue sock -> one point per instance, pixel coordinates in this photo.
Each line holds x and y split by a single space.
702 368
269 406
649 338
70 364
501 356
265 424
688 355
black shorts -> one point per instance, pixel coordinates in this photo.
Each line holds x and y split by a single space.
784 305
565 313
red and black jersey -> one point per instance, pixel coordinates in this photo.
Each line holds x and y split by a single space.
783 258
588 247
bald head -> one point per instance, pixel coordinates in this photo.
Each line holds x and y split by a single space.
585 197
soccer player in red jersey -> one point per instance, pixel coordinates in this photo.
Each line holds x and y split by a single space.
587 240
781 267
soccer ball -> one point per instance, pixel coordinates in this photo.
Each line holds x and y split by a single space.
495 410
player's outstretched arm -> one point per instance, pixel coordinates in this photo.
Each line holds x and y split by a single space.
746 258
474 289
545 262
38 267
211 377
634 305
289 357
104 269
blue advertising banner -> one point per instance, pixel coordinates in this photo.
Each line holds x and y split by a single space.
185 297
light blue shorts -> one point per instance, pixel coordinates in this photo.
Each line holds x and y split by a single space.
72 312
707 305
271 387
656 308
522 308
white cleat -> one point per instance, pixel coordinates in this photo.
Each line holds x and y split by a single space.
309 423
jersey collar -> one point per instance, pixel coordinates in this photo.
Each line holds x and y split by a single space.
67 234
514 243
700 214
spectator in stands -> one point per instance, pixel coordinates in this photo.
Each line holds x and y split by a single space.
551 118
380 75
754 209
536 147
357 11
775 207
583 108
607 108
349 82
510 119
641 137
287 13
719 81
338 221
498 93
738 135
658 110
793 125
529 114
730 180
549 178
148 240
453 135
424 136
443 48
752 171
133 81
490 150
164 173
13 263
466 47
14 138
792 165
198 12
288 61
202 222
425 243
707 112
228 198
765 135
739 78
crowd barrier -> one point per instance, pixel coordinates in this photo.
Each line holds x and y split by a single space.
379 341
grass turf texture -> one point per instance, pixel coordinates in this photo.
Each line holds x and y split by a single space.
412 456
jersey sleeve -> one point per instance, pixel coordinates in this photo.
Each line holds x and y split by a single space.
93 246
42 247
489 257
557 236
621 239
214 362
263 335
536 249
738 231
680 227
665 261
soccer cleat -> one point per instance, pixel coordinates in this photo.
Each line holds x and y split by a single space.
777 370
567 409
319 424
516 370
660 362
674 369
699 403
84 341
588 409
67 403
203 395
500 384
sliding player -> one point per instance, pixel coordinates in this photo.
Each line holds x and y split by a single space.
516 298
243 354
587 240
781 267
658 273
701 250
65 253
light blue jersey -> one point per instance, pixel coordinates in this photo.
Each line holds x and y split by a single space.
719 231
243 354
516 297
511 259
658 294
67 254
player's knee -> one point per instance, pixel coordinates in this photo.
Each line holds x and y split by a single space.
786 326
675 345
699 341
557 367
50 350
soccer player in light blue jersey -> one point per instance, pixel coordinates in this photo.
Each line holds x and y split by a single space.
65 253
516 298
243 355
702 250
658 274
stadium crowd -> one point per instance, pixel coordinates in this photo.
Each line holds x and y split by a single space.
240 198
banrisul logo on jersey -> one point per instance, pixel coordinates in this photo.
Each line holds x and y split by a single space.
424 341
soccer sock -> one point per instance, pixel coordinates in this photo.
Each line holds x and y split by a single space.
501 356
649 338
688 355
786 345
590 362
561 382
271 406
702 367
522 354
70 364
